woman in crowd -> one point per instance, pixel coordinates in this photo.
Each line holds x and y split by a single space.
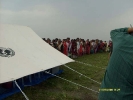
92 47
87 46
60 46
81 48
65 48
74 49
78 47
84 47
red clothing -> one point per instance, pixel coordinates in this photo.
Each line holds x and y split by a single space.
81 50
110 44
101 46
65 51
74 48
87 48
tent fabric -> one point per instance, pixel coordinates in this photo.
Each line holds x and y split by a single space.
32 54
118 79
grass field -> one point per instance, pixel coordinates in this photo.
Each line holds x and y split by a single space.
57 89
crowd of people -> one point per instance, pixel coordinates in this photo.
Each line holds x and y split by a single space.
78 47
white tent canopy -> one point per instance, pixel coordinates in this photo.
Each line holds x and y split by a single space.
32 54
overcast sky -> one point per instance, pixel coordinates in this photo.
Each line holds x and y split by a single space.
88 19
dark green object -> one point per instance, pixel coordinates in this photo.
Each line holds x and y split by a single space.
92 51
101 51
117 83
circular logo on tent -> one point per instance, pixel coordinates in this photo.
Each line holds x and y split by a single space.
6 52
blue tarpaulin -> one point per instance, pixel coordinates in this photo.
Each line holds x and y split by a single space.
29 80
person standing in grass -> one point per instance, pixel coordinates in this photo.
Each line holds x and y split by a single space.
74 48
65 48
92 47
87 46
60 46
105 43
111 49
78 45
81 48
117 83
100 46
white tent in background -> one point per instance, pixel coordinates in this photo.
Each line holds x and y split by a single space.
32 54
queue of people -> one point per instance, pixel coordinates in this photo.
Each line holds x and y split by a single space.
78 47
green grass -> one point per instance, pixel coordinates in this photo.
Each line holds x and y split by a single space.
57 89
